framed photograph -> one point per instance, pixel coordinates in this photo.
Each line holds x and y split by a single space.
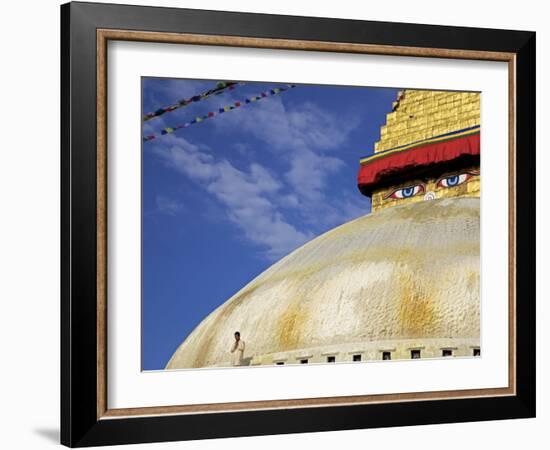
276 224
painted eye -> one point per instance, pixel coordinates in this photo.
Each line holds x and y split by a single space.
407 192
454 180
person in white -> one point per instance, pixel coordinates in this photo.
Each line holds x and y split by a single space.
238 350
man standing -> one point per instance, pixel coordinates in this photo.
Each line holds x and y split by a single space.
238 350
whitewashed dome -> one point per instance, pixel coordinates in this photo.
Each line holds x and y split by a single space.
401 278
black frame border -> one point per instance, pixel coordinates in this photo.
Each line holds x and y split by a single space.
79 424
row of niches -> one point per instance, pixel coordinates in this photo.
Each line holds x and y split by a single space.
398 350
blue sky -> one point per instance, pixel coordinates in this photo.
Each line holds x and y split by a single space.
226 198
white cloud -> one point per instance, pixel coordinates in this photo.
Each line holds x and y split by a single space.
319 128
167 205
308 172
306 139
301 136
301 126
247 195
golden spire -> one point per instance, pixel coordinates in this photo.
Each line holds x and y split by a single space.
419 115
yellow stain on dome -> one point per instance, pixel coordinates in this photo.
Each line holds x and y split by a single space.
291 323
416 311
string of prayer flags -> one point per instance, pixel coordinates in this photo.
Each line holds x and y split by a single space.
224 109
220 88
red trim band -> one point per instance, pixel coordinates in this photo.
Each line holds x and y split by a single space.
374 172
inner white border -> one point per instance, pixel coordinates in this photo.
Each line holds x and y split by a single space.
128 387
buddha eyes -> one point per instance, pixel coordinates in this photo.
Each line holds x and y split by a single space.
407 192
447 181
453 180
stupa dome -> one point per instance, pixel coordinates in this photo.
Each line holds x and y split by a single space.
399 279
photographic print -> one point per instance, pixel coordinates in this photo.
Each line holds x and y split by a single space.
290 206
289 224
